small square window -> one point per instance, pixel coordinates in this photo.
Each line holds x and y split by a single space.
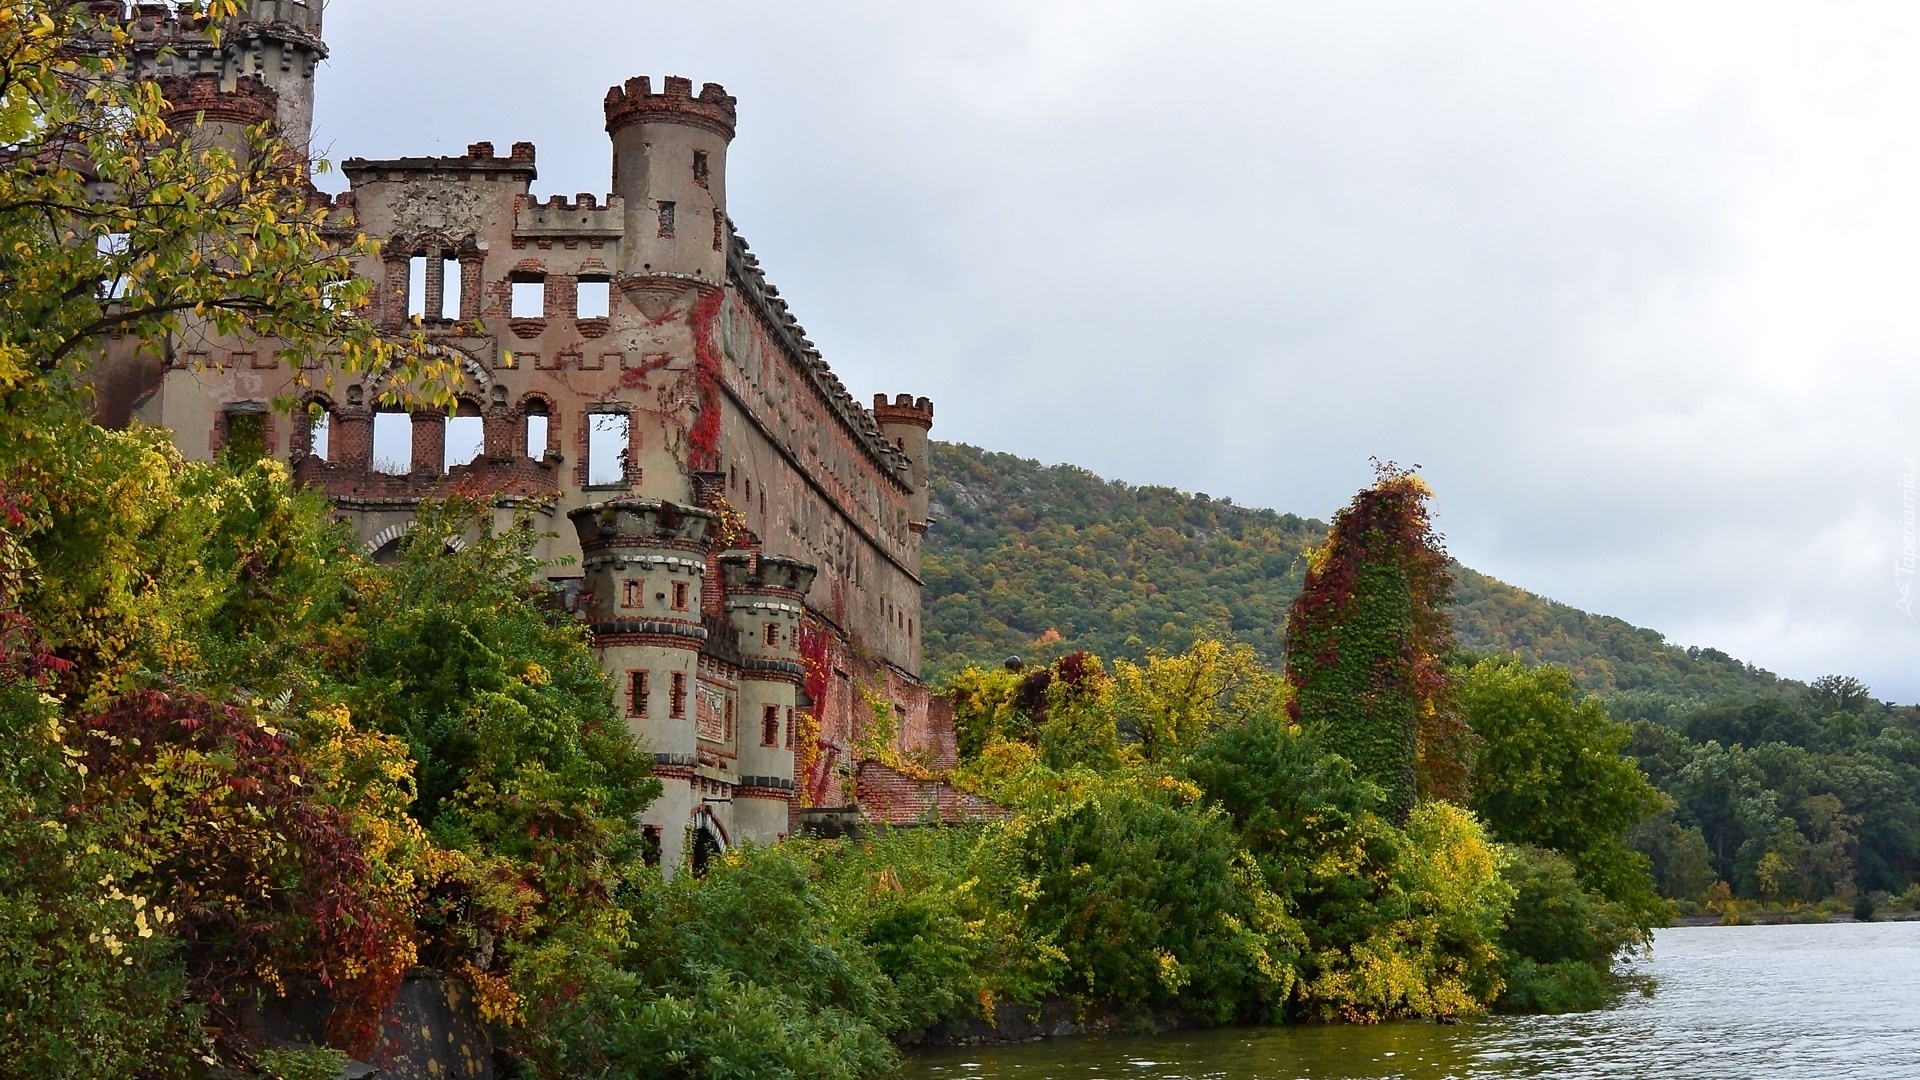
529 299
593 299
634 595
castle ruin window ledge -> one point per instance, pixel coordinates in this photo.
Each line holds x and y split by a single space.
527 328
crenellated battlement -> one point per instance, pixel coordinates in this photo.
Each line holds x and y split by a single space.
585 216
636 103
190 97
904 409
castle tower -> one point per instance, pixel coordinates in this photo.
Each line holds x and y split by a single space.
906 424
764 604
670 171
645 563
223 114
276 44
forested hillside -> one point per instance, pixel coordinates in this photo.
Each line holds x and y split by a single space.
1039 560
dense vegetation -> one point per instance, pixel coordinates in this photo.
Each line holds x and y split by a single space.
1800 795
1039 561
241 764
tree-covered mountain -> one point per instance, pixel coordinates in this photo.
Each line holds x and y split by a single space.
1034 560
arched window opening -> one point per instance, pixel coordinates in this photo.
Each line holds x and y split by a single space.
319 431
537 420
393 443
466 435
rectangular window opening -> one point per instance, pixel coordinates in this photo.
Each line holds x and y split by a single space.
607 449
729 734
772 637
417 287
466 437
113 249
634 595
679 596
677 696
593 299
246 438
666 221
319 431
529 299
700 173
536 435
636 693
770 726
450 290
393 443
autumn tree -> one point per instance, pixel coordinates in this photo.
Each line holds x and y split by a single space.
1365 643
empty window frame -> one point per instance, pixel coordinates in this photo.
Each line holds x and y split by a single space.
537 421
666 221
771 635
114 249
607 434
246 439
393 443
770 725
449 290
529 298
637 693
679 596
466 435
319 431
728 737
417 287
592 299
701 172
633 593
677 695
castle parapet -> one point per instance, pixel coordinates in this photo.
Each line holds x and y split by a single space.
194 97
636 103
904 409
619 524
750 573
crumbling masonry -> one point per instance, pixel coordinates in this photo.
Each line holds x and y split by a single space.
746 536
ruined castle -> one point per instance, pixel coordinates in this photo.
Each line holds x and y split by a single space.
741 534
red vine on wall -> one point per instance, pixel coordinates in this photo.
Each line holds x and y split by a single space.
813 758
703 439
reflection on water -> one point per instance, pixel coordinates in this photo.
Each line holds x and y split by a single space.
1774 1001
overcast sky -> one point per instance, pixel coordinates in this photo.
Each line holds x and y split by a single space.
1633 283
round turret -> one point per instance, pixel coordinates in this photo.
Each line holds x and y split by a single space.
906 422
670 170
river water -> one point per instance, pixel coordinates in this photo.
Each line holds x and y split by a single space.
1831 1001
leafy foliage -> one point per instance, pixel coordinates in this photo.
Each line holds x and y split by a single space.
1791 796
1366 640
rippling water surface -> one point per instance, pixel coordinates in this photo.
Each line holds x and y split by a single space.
1759 1001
